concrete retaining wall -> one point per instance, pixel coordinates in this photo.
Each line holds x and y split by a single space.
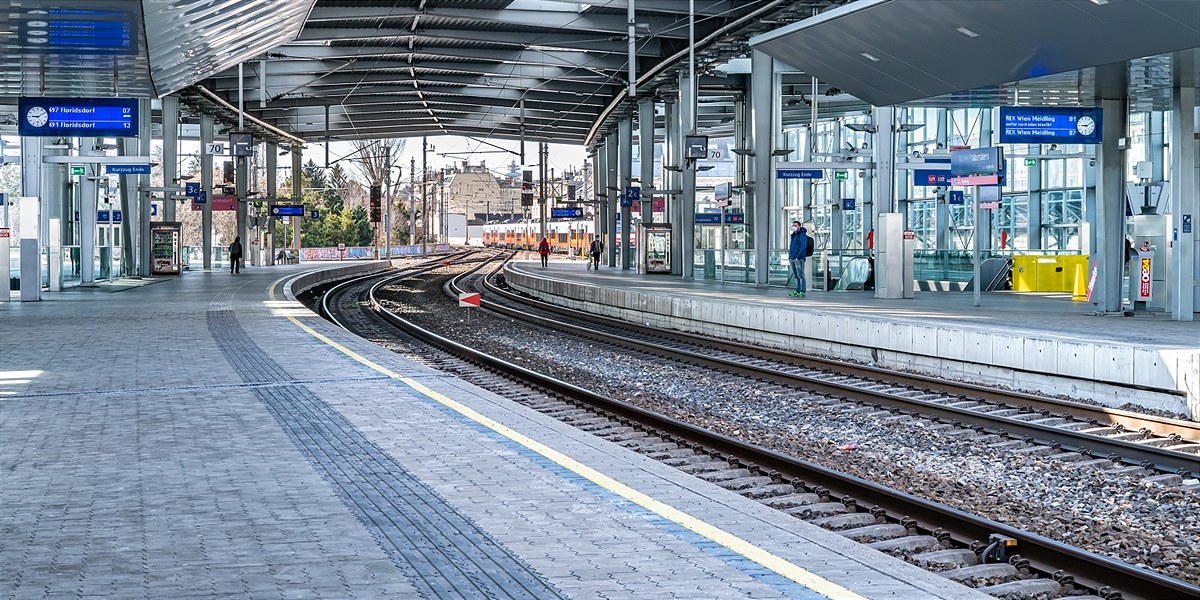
297 286
1105 372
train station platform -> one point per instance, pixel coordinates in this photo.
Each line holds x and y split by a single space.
1042 343
207 436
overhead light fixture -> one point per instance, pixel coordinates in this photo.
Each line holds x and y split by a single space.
860 127
869 57
909 126
966 32
780 152
1099 2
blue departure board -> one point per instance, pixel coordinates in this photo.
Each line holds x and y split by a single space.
98 117
1049 125
78 28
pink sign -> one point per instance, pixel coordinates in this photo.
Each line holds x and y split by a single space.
976 180
219 203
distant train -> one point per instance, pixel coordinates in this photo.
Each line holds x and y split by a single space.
565 237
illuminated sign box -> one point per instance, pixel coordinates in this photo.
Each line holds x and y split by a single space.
1049 125
84 117
287 210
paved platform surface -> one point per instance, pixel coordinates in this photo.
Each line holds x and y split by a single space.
204 437
1041 343
1042 313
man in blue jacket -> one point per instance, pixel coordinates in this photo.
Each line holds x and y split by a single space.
797 252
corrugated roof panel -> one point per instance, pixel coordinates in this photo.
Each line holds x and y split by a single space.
73 48
189 40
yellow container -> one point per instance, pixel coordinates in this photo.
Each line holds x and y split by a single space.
1041 273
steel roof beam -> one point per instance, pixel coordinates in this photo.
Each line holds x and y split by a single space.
548 40
704 8
531 134
547 80
612 24
416 105
291 59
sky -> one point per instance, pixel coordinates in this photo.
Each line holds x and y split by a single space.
447 150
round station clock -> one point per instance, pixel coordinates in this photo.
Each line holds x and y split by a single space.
1085 126
37 116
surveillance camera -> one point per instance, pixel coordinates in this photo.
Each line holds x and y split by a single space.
916 154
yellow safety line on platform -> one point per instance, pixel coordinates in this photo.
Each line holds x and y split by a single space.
716 534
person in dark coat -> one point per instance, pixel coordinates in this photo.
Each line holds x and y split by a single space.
235 255
797 252
544 250
595 250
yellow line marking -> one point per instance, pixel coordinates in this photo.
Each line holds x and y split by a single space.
716 534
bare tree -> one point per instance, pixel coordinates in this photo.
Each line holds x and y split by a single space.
370 158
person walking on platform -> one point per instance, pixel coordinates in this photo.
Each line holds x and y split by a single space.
595 250
799 248
235 255
544 251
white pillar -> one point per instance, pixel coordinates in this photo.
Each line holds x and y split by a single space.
206 186
1185 275
170 128
761 194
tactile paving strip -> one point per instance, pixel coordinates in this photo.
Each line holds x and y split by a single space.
443 553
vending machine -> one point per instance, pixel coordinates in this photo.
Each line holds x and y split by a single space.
654 248
166 248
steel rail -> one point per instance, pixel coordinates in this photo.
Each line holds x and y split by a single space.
1044 554
1095 445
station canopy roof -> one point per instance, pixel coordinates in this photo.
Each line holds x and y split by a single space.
991 52
404 68
134 48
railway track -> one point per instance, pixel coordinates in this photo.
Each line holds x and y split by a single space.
1159 449
963 546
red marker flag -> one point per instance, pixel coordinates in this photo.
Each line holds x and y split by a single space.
467 299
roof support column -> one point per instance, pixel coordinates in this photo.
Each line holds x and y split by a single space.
837 223
760 195
674 182
272 162
983 227
611 196
624 173
883 195
1185 272
646 154
942 224
170 129
1108 251
1033 232
30 248
298 195
143 197
687 212
87 196
206 187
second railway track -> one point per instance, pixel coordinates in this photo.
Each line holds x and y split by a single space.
793 486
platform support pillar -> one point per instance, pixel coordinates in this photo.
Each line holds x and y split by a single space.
143 194
888 265
87 217
1108 251
272 162
674 182
837 227
942 224
1185 276
206 184
624 181
760 196
298 194
610 199
28 206
170 129
646 157
687 212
